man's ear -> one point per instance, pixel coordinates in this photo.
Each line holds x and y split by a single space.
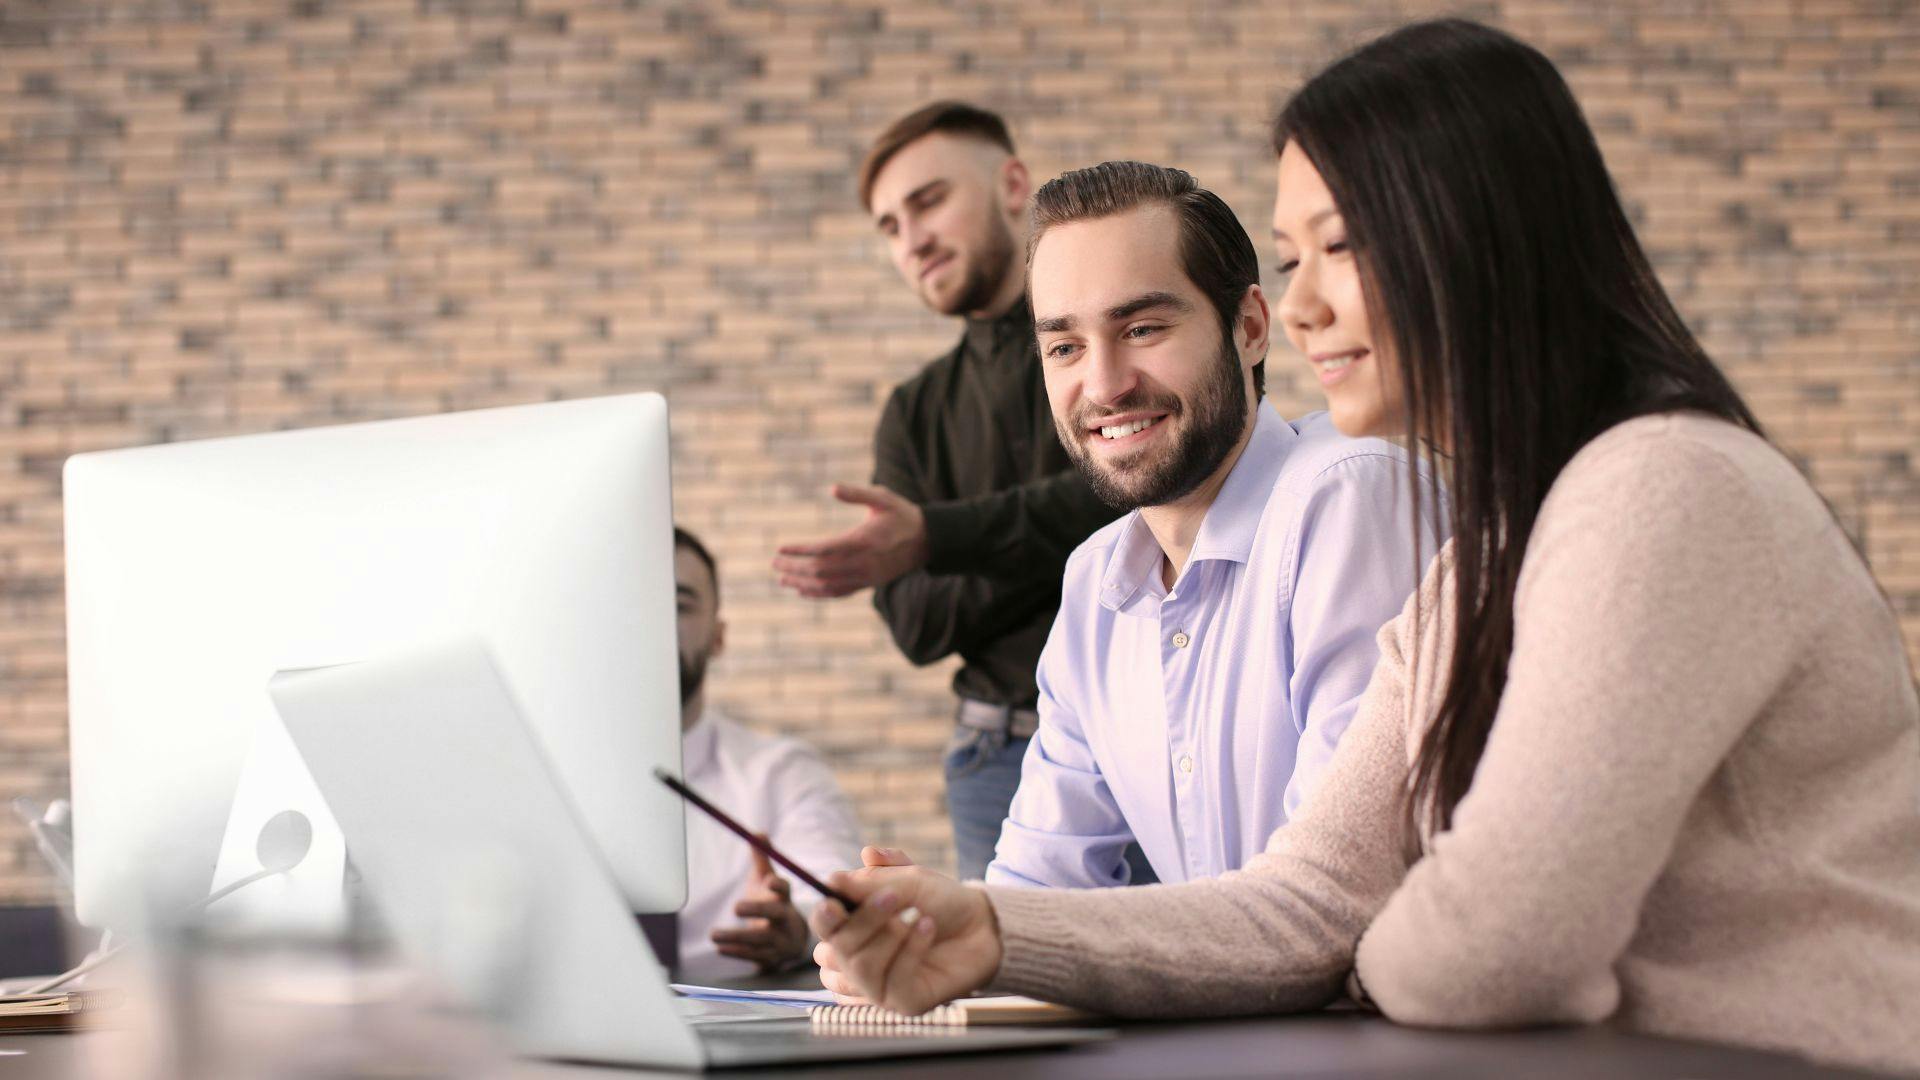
719 639
1253 327
1016 186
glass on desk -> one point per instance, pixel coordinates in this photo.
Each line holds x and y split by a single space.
200 1005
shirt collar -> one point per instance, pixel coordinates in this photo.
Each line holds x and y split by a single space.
697 744
986 337
1228 530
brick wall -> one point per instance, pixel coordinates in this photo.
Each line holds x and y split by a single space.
237 215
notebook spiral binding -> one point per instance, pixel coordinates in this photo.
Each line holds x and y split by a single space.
830 1017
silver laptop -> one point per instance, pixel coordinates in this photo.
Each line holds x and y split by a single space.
486 876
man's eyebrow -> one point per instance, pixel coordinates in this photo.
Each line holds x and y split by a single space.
1312 222
686 590
910 197
1060 324
916 194
1145 302
924 188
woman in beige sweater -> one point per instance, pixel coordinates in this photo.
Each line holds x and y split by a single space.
1644 748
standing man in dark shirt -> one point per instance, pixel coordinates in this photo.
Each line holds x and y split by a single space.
974 506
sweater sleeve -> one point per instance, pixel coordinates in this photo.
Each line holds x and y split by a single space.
1276 936
1648 634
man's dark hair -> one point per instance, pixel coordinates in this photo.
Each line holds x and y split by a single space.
951 117
1215 251
684 539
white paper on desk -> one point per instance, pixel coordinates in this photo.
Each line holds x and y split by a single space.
699 1012
793 999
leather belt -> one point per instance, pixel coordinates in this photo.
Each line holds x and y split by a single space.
1016 722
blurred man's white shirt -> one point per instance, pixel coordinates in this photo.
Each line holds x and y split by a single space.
773 785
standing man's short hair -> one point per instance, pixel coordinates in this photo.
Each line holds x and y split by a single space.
1215 250
951 117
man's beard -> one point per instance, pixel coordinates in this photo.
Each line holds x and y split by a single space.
693 673
1219 419
984 272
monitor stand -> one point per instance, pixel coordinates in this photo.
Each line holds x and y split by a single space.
313 900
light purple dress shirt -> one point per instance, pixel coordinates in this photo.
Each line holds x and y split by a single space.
1195 719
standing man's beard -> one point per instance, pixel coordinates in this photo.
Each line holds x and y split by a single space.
985 270
693 673
1219 419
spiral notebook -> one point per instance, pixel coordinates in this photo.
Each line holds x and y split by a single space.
966 1012
27 1014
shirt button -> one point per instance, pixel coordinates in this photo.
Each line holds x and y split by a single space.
1186 763
1180 639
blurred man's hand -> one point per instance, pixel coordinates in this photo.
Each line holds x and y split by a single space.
891 541
774 935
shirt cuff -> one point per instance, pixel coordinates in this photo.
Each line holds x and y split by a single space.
953 535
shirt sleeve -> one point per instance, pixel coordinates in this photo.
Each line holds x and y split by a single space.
1276 936
1064 829
1009 532
1648 633
815 824
1355 564
932 616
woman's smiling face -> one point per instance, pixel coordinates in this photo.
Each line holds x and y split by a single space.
1322 307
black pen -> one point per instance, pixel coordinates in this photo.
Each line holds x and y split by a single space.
759 842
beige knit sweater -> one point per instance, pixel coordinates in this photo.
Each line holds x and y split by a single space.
1698 813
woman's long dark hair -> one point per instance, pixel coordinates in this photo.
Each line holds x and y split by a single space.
1502 275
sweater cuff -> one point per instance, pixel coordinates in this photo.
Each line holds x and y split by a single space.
953 533
1037 958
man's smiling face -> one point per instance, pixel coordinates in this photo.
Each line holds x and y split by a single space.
1149 395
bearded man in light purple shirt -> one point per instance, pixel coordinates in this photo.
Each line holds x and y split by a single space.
1213 643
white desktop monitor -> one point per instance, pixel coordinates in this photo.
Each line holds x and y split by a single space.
197 570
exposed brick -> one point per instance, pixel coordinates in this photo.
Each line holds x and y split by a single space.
397 209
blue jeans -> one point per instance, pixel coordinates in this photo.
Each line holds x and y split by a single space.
983 772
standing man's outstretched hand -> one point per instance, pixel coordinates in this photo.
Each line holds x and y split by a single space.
891 541
918 939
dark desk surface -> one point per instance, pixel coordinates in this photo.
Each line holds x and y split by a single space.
1359 1045
1349 1044
1326 1045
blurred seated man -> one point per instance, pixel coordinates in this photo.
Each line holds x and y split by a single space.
741 917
